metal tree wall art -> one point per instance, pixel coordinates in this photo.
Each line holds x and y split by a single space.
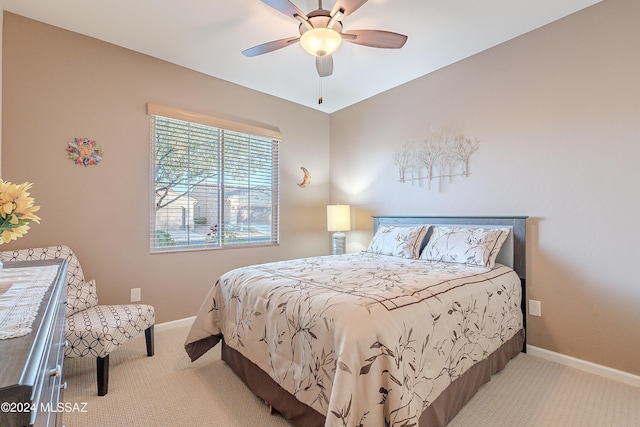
444 153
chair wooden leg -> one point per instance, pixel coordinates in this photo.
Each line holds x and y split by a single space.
103 374
148 336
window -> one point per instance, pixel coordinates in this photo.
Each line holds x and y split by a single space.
215 182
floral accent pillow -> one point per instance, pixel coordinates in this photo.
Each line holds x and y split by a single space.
403 242
472 246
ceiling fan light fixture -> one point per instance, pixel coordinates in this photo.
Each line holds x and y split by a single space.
320 41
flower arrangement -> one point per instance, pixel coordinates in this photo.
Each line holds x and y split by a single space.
16 210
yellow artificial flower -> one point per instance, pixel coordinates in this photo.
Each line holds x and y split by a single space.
16 210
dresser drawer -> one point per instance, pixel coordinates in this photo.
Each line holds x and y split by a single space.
51 374
32 365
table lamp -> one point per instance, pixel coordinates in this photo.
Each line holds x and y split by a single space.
338 220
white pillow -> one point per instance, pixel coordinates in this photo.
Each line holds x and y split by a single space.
473 246
404 242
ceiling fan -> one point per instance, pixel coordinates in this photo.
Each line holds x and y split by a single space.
321 33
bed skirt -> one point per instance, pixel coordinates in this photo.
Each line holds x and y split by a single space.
438 414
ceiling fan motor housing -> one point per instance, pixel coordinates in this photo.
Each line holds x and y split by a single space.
316 38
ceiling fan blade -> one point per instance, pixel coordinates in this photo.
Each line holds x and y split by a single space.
324 65
286 7
375 38
269 46
349 6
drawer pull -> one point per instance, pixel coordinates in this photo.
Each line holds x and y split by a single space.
56 372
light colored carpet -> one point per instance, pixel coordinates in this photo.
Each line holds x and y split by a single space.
168 390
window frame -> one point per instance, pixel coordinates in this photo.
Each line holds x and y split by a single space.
222 125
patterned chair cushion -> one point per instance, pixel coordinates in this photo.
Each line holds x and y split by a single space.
80 294
91 329
98 330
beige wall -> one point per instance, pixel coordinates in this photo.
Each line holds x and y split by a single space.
58 85
557 112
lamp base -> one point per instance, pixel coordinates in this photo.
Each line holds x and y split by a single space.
339 243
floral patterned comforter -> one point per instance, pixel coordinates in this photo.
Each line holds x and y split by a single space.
366 339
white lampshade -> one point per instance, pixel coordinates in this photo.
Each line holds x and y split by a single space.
320 41
338 217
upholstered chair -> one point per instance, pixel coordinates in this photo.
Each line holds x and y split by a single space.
92 329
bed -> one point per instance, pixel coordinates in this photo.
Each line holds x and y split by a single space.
402 334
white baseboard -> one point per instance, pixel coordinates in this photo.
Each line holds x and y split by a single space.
583 365
175 323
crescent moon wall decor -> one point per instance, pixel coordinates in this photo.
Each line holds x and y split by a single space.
306 179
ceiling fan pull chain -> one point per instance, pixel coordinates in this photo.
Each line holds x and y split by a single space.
320 90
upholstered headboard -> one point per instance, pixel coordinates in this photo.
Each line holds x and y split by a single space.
513 249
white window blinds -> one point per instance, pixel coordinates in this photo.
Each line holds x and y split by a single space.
215 182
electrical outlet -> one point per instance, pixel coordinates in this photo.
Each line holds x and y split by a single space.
136 294
535 308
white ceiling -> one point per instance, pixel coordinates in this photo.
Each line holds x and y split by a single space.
208 36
